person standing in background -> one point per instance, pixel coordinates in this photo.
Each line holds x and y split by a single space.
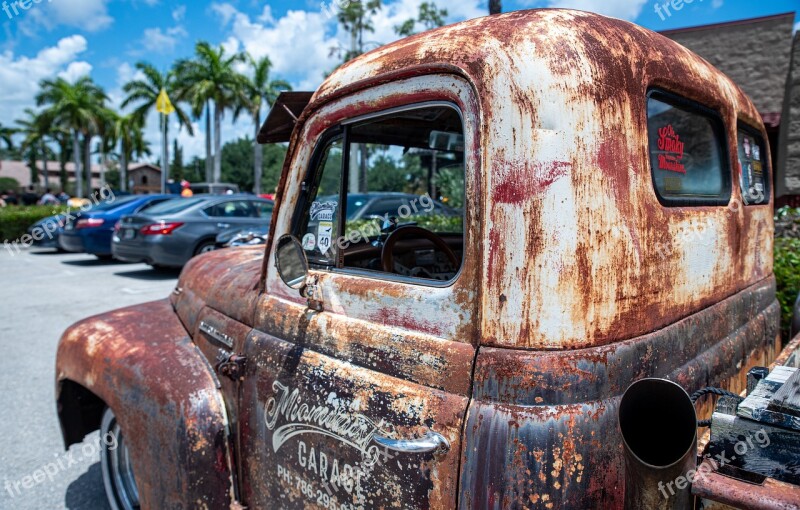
11 197
30 197
48 198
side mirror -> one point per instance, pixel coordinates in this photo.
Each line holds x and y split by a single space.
290 258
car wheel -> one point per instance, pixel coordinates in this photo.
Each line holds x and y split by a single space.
116 466
205 247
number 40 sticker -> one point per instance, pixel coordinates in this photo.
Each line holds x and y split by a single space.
324 235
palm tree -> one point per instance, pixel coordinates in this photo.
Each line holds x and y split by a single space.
78 107
108 140
211 76
63 137
259 89
130 135
144 93
36 128
356 19
5 136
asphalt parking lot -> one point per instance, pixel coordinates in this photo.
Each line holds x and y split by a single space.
41 294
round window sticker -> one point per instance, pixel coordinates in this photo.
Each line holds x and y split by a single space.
309 242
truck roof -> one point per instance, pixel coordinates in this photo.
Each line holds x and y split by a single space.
562 50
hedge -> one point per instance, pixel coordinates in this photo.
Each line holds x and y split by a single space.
14 221
787 262
9 184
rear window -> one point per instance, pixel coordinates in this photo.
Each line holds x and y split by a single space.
687 152
175 205
110 206
231 209
754 179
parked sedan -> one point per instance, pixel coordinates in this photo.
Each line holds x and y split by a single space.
246 236
52 226
171 233
379 204
91 231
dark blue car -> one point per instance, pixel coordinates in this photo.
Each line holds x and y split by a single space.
91 231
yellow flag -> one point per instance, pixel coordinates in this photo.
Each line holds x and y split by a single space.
163 104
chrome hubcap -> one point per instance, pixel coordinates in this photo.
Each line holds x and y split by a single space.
121 471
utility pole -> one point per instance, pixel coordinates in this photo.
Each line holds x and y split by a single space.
164 107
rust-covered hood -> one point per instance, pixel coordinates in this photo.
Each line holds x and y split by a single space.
224 280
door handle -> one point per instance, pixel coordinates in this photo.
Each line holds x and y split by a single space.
223 225
430 442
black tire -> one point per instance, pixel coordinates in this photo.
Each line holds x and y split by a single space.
105 258
116 467
205 247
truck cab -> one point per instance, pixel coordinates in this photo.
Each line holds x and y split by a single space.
579 203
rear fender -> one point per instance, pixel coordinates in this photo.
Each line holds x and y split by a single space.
141 362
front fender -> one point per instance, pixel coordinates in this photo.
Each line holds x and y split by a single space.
141 362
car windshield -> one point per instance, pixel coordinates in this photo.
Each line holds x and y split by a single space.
174 206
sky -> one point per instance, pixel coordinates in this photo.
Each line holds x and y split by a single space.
105 38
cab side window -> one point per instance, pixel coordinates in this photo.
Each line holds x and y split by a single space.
754 179
687 152
320 219
378 179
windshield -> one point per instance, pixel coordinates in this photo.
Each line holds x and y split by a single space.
173 206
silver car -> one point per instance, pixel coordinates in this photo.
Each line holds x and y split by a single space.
173 232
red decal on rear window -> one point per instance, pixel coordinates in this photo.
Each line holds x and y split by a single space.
671 147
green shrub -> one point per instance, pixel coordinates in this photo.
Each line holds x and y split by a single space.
14 221
9 184
787 274
787 222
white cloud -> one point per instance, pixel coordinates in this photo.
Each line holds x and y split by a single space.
230 45
125 73
21 75
88 15
76 70
158 41
716 4
300 43
226 12
179 13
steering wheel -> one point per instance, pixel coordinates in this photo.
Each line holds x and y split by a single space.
387 257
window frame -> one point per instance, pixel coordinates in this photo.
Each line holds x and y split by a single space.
755 133
342 130
720 132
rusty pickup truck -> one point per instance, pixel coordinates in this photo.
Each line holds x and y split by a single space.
552 204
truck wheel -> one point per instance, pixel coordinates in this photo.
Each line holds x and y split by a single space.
116 466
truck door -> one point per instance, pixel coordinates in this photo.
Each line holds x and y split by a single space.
354 396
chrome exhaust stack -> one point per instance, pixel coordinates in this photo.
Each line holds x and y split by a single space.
659 433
